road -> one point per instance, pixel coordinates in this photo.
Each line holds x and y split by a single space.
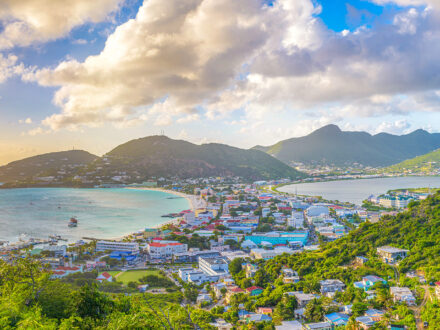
418 309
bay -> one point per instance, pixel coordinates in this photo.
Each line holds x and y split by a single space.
101 213
355 191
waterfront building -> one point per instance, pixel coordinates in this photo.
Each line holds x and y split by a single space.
130 247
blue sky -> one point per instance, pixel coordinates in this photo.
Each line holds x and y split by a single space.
126 69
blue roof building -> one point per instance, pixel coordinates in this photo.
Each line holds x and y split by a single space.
337 319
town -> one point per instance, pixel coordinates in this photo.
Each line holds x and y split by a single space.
216 254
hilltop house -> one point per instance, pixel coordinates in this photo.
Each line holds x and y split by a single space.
391 255
403 295
330 287
368 282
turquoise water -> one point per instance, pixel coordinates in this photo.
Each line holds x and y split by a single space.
355 191
101 213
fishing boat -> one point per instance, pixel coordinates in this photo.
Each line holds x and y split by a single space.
73 222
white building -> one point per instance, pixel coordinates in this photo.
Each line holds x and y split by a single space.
117 246
403 295
296 220
214 266
160 250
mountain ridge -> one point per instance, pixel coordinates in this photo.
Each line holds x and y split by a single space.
329 145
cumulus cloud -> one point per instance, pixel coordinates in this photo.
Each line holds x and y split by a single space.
29 21
183 59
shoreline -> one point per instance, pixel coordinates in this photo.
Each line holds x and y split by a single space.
193 204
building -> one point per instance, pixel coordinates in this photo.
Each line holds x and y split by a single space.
368 282
254 290
104 277
337 319
56 250
330 287
165 250
318 326
290 276
214 266
250 270
130 247
302 298
365 322
437 289
270 254
391 255
233 290
403 295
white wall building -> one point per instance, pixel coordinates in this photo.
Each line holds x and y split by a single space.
117 246
160 250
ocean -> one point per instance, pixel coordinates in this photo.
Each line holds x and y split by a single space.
101 213
355 191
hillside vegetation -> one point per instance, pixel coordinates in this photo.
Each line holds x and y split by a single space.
331 146
427 163
45 165
162 156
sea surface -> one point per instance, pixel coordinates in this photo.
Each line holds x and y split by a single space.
101 213
355 191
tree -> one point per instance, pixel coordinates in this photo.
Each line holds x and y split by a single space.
235 266
191 293
56 300
92 303
358 309
314 311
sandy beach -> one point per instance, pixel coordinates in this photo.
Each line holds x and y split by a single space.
194 201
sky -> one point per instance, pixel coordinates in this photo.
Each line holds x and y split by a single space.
93 74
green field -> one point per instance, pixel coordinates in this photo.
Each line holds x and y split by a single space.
135 275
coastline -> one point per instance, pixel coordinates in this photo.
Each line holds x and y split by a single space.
192 200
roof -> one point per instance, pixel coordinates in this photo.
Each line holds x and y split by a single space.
365 320
252 288
164 244
105 275
236 289
391 249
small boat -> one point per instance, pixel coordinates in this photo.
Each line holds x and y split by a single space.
73 222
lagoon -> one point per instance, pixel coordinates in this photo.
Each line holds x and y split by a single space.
101 213
355 191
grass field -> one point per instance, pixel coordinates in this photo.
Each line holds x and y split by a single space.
135 275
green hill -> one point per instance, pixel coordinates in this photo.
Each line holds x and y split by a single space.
331 146
161 156
50 164
428 163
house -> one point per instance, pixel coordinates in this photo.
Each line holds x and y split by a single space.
391 255
365 322
142 288
253 317
250 270
302 298
204 298
360 261
222 325
254 290
265 310
62 271
217 288
330 287
403 295
233 290
290 276
104 277
437 289
375 314
368 282
337 319
318 326
289 325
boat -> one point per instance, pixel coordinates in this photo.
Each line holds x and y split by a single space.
73 222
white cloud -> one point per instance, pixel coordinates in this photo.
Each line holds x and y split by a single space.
25 121
28 21
397 127
180 60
